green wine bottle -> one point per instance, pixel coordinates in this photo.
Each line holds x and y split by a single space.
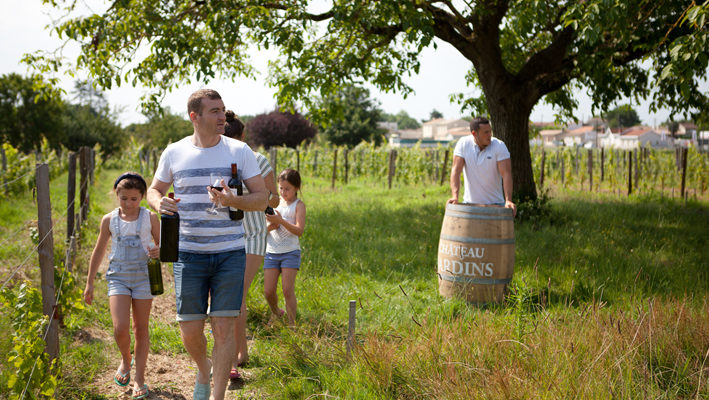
155 276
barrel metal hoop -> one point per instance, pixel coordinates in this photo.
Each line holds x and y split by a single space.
479 210
477 240
476 281
454 214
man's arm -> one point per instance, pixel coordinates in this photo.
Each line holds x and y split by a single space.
505 169
156 198
255 200
458 164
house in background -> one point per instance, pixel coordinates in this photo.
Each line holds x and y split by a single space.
635 137
431 134
580 136
551 137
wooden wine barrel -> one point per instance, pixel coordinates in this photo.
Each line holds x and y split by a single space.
476 252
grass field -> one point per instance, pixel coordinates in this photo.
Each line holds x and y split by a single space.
609 300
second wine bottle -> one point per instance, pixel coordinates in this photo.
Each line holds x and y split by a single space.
238 190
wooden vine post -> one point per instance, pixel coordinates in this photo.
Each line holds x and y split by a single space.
45 250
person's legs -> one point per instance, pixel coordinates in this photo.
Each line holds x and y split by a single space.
288 284
191 273
253 262
196 345
141 319
270 290
222 353
226 289
120 314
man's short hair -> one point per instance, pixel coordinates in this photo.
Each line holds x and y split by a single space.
194 103
476 122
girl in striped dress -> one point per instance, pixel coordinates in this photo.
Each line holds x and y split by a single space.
255 230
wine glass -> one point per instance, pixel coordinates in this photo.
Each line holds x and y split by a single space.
215 182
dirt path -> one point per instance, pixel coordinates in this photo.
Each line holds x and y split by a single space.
169 376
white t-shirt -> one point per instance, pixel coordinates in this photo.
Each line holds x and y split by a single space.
188 168
483 182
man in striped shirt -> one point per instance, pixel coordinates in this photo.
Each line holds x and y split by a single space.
209 271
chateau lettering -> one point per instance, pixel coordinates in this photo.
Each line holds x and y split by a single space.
468 268
461 251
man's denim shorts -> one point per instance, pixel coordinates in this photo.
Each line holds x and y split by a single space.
209 282
282 260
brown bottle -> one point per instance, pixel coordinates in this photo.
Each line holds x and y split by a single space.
235 183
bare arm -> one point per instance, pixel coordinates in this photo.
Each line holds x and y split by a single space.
298 228
158 201
458 164
505 169
154 252
270 181
96 257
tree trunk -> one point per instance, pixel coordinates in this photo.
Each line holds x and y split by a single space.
510 123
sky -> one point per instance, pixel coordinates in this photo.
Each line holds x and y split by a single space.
442 72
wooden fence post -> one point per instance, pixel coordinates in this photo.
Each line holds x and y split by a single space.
71 195
684 170
347 164
563 169
392 165
630 173
315 164
576 162
351 328
638 167
541 175
297 160
334 170
444 166
4 168
45 250
84 182
435 162
603 159
590 170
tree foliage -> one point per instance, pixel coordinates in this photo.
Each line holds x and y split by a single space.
521 52
403 120
279 128
622 116
160 130
350 117
27 115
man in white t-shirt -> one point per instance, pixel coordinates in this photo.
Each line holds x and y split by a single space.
485 162
209 271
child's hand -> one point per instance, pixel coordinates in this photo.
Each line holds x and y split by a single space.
89 294
275 219
153 252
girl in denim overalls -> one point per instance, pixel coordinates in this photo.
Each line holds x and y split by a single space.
133 229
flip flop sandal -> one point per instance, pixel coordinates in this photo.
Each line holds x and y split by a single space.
123 375
144 395
234 374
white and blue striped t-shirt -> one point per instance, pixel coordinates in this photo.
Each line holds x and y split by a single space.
188 167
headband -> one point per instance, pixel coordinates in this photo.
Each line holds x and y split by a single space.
128 175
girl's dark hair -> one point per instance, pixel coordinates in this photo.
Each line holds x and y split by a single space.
291 176
233 128
130 180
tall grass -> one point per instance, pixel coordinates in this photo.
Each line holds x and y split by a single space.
609 300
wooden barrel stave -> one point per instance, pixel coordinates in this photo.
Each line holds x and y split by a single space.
476 252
